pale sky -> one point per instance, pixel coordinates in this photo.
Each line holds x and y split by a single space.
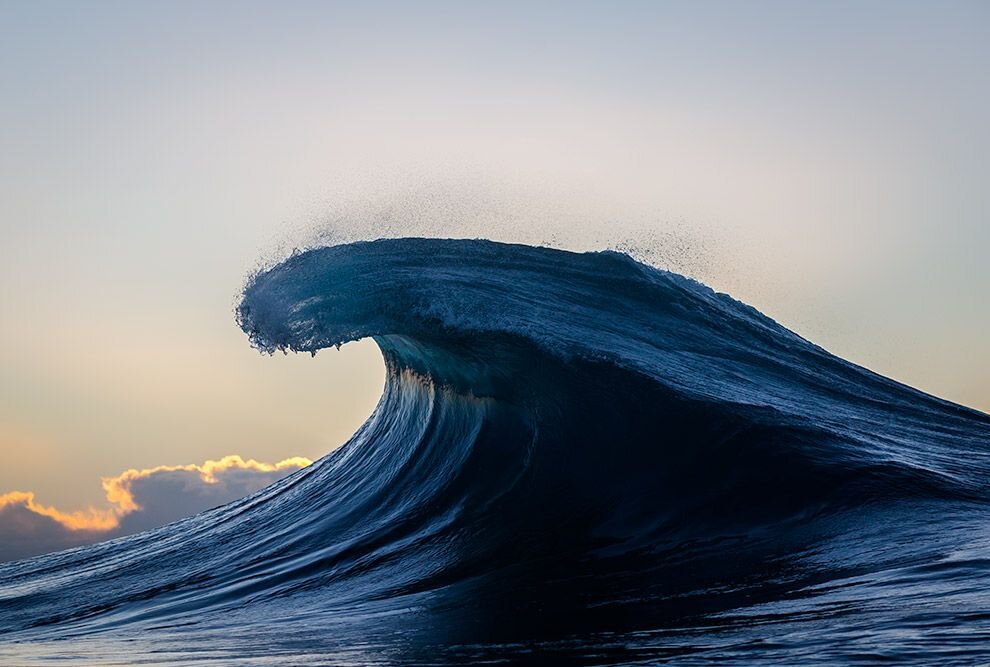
825 163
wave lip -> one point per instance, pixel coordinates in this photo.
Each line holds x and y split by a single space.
568 445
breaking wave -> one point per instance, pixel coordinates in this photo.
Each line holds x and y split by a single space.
576 457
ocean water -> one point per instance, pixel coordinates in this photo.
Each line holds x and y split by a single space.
577 459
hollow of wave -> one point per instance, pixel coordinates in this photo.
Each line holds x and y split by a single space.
577 459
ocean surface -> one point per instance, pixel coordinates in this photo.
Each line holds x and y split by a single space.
578 460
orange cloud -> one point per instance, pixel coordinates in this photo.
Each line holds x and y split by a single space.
90 519
119 488
137 500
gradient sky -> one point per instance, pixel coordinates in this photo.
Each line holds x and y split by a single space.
826 163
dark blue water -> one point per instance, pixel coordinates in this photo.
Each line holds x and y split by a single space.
577 459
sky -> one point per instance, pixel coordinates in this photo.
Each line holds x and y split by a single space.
825 163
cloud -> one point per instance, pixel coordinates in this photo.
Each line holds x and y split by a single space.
137 500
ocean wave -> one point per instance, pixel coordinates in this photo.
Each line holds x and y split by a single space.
575 456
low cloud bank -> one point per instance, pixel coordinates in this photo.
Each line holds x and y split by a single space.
137 500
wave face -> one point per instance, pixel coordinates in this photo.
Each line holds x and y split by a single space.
576 458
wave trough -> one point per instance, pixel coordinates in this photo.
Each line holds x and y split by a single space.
576 457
